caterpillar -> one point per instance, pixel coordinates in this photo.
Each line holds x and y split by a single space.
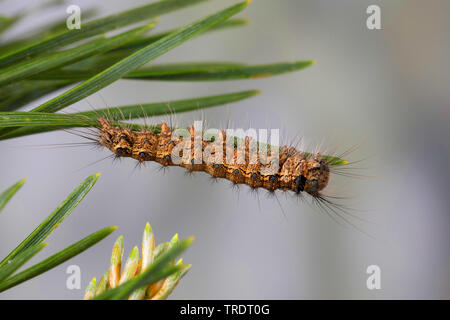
283 168
243 161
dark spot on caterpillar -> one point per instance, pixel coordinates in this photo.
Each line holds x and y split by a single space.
142 154
216 166
300 184
254 176
236 171
166 160
272 178
313 185
123 150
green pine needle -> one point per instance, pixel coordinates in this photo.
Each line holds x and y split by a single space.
54 219
96 27
6 195
56 259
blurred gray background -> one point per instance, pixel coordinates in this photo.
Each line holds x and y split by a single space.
387 90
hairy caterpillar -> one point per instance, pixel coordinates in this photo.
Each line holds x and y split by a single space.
295 170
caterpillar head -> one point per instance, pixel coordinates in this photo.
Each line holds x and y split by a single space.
316 174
